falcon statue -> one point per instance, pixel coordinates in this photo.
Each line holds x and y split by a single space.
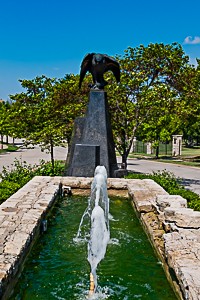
97 64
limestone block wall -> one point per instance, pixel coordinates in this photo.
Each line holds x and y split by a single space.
173 229
20 220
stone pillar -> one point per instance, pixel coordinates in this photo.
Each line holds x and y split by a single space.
176 145
149 148
96 131
134 144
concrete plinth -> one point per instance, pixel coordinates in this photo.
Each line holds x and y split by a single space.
95 131
86 158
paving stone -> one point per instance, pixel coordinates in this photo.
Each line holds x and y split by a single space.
183 217
174 201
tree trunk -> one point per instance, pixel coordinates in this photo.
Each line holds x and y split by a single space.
124 161
157 152
1 142
7 139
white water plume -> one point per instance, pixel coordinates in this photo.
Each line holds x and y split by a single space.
99 232
99 238
98 211
99 194
86 214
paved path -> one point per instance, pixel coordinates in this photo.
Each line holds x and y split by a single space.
30 156
190 175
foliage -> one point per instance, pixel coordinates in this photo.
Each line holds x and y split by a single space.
14 178
45 169
7 189
147 102
4 120
20 173
172 185
44 114
191 109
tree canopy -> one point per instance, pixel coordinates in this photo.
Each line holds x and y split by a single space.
158 90
149 100
44 113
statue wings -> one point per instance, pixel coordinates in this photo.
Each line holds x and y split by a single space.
106 63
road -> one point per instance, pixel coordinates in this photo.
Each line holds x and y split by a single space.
190 175
30 156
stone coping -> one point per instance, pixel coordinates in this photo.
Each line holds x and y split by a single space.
173 229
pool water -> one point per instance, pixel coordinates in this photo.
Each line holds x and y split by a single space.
57 267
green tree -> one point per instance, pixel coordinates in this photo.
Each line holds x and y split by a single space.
44 114
4 120
151 82
191 111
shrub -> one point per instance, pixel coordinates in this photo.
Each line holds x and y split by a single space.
45 169
19 172
12 179
7 189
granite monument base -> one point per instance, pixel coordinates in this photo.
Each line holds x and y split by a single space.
95 130
86 158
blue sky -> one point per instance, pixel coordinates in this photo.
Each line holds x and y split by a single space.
52 37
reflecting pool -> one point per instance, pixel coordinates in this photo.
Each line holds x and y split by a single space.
57 267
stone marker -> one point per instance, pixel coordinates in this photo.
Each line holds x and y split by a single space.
95 132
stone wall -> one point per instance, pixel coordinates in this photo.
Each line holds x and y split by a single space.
21 217
173 229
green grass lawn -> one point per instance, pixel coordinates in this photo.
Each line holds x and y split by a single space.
191 151
10 148
189 157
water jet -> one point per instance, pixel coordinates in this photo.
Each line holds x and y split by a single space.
98 210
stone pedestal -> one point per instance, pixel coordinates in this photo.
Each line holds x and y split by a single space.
134 145
95 131
176 145
149 148
85 160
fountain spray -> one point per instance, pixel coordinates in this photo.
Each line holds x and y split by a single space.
97 211
99 232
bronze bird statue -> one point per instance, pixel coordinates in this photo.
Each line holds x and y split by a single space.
97 64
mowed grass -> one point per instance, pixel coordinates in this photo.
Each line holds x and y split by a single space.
189 157
9 148
195 151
